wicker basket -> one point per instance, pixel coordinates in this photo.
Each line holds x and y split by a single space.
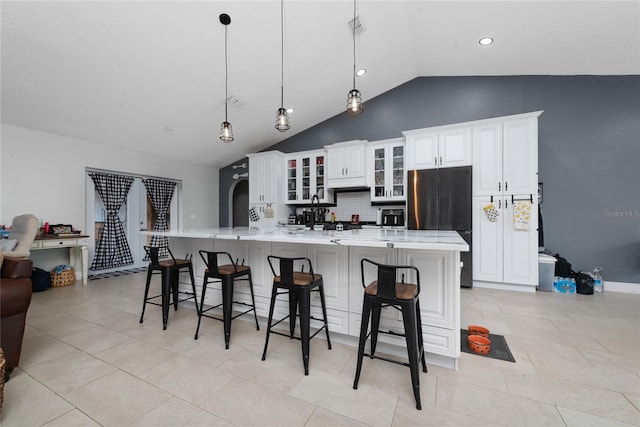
66 278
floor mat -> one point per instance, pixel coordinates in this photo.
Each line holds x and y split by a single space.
499 347
96 276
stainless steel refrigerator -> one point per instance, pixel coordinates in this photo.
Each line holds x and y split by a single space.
440 199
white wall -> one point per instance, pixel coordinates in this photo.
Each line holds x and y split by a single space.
44 174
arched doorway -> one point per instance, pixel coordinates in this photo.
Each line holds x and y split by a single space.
240 204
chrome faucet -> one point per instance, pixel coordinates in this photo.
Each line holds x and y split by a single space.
316 211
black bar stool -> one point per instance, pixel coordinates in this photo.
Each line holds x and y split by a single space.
170 271
298 285
387 292
226 274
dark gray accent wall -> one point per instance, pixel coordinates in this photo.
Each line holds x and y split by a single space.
589 151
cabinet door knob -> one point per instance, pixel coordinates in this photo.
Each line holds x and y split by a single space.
499 186
440 160
435 161
506 185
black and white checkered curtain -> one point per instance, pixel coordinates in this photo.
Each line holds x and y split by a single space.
112 249
160 192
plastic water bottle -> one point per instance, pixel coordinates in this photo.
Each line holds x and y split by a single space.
564 284
598 283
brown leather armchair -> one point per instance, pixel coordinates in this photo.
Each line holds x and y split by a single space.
15 297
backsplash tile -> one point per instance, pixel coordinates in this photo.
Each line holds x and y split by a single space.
357 202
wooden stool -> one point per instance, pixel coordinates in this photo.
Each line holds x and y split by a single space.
387 292
298 285
226 274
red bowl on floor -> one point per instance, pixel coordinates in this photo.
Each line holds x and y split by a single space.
479 344
478 330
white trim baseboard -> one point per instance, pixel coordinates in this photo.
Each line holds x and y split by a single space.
504 286
623 287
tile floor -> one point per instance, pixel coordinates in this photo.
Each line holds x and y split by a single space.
87 361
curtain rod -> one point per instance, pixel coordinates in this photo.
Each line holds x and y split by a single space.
134 175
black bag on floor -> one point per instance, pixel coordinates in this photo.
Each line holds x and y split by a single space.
40 279
563 267
584 283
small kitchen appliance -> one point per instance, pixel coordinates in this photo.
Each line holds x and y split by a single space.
393 217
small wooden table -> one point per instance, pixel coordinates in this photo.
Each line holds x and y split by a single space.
75 243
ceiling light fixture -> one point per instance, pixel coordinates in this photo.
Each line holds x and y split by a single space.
282 119
226 132
485 41
354 101
290 110
361 72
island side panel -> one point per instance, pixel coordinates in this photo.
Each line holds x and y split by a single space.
340 266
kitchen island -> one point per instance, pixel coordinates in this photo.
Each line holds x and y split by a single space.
336 255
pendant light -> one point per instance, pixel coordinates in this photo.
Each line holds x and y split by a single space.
354 101
282 119
226 132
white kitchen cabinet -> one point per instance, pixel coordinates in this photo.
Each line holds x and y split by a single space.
356 291
438 147
346 164
437 301
331 262
386 170
454 147
266 186
266 172
254 254
505 157
503 256
505 171
306 177
520 156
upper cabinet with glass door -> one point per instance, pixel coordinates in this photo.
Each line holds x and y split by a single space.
386 170
306 177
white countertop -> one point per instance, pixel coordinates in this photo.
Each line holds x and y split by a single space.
391 238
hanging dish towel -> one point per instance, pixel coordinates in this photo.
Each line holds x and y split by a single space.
253 215
491 212
521 215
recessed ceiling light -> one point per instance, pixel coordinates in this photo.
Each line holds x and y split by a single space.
290 110
485 41
361 72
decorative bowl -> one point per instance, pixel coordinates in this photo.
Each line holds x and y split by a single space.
478 330
479 344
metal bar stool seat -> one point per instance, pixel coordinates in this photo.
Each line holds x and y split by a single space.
226 275
170 270
298 285
386 291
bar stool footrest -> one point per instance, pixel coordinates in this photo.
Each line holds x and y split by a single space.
210 316
294 336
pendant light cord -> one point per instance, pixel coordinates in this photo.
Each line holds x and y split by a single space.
354 44
226 75
282 53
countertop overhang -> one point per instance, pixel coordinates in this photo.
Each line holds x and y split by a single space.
382 238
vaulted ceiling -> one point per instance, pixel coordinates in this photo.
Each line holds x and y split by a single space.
149 76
